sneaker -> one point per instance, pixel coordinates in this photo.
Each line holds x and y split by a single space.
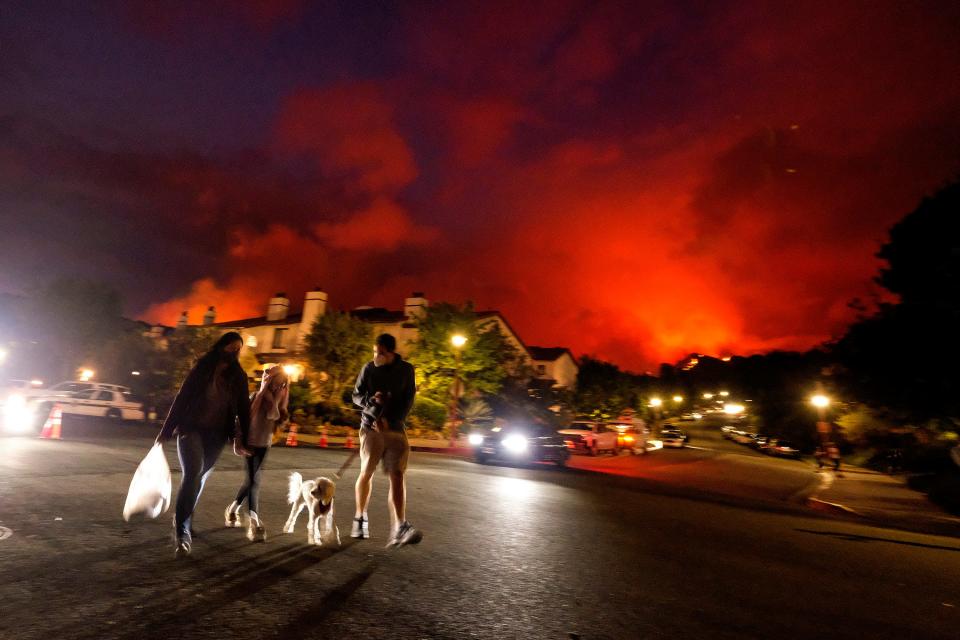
406 534
231 518
361 528
256 532
182 541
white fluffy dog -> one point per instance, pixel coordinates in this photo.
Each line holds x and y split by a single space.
317 496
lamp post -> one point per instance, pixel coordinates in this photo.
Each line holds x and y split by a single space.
457 341
656 404
821 402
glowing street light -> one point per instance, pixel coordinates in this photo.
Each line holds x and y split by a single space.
293 371
458 340
707 396
678 398
724 393
656 402
821 402
733 409
86 375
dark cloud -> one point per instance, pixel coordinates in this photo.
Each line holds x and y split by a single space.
635 182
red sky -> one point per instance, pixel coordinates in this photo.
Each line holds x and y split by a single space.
632 182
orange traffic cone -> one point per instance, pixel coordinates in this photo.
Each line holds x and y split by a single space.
349 443
51 428
292 435
323 437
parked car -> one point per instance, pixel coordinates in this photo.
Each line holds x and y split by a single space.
100 400
591 438
520 444
758 442
673 438
727 431
743 437
783 449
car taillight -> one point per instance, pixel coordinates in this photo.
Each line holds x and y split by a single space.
569 444
628 438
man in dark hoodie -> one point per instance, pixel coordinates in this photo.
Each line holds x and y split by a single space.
385 391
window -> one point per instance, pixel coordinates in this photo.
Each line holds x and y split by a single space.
82 395
71 386
278 337
105 395
541 369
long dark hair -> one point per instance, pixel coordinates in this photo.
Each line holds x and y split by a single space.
207 363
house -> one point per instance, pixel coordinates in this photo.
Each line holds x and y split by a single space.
555 365
279 336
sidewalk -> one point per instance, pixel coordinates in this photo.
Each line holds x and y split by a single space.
881 499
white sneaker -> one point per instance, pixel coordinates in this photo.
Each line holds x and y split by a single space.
231 518
255 529
405 534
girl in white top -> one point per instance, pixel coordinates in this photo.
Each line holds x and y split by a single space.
267 411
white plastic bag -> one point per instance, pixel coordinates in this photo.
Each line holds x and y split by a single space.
149 492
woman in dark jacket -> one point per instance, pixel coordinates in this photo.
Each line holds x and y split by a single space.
211 407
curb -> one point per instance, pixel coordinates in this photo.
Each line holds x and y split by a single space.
831 507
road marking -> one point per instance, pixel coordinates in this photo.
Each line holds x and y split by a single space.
5 533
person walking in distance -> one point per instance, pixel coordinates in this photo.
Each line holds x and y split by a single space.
833 452
384 391
267 411
211 407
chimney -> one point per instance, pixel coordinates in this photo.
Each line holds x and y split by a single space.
314 306
182 320
210 316
279 307
415 306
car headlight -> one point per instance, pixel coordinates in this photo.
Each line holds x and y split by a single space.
17 414
515 444
475 439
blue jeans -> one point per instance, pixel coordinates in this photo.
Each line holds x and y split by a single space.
251 485
198 452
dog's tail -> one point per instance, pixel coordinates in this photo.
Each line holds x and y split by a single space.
293 492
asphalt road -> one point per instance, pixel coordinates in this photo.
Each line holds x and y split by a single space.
507 553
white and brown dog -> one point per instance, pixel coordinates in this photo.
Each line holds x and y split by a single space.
317 496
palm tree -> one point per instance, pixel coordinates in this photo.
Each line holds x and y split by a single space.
477 413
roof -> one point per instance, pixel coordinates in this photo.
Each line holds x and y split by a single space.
378 314
549 353
293 318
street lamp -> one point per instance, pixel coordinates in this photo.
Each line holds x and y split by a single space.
707 396
457 340
724 393
821 402
86 375
732 409
656 402
678 399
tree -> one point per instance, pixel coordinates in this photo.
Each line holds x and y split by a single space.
487 362
902 360
477 414
604 391
70 321
171 361
336 348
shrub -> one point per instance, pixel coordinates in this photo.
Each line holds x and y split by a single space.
428 413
